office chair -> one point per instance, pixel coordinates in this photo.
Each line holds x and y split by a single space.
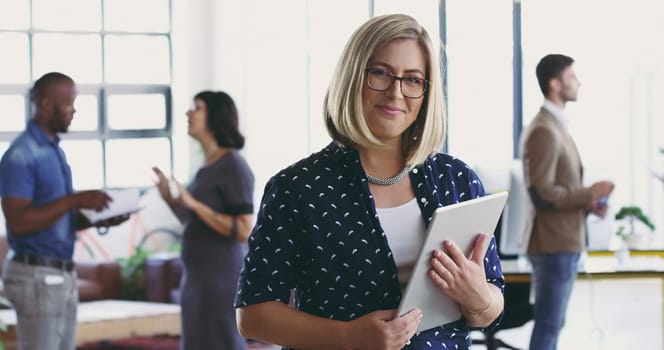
518 309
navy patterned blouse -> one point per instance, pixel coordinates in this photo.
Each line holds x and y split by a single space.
317 231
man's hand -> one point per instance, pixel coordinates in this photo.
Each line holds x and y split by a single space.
601 207
93 199
600 192
601 189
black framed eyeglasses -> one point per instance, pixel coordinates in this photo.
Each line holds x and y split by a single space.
381 80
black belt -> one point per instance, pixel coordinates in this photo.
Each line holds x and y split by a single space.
66 265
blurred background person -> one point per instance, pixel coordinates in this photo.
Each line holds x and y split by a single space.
42 214
217 212
553 173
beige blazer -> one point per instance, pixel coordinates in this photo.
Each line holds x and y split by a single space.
553 174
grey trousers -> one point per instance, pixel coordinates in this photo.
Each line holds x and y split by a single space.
45 300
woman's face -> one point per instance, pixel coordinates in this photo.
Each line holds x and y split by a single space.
389 113
197 119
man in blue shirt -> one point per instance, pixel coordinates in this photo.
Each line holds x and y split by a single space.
42 215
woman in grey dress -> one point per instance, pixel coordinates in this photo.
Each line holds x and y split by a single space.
216 210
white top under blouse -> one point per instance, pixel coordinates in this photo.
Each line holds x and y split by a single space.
404 228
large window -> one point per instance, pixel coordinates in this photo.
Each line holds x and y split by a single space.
119 54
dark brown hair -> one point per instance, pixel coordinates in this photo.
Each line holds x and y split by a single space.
222 118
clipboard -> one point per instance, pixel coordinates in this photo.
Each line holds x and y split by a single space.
123 202
460 223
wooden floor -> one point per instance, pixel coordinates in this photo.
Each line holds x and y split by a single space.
111 319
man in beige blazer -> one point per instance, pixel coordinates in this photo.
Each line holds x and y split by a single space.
553 173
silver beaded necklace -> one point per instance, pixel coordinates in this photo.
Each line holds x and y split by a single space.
390 180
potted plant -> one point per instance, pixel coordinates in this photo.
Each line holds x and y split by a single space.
628 216
133 277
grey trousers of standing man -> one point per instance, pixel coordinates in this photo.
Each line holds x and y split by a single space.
45 300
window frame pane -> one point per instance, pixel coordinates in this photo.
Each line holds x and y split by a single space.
112 171
25 111
87 89
21 60
114 64
122 109
71 159
23 6
97 86
89 76
127 24
42 19
129 90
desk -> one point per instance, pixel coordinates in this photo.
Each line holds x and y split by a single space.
596 266
601 268
111 319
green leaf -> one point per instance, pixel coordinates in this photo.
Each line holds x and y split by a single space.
634 212
133 279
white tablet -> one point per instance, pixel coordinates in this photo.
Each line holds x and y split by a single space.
123 202
460 223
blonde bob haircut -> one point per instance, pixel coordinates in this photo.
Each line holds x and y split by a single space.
344 116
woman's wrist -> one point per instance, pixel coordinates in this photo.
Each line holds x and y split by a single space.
197 207
483 310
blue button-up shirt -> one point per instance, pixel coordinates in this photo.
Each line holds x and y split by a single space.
34 167
318 232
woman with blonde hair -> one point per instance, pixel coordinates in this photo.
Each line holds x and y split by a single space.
342 228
